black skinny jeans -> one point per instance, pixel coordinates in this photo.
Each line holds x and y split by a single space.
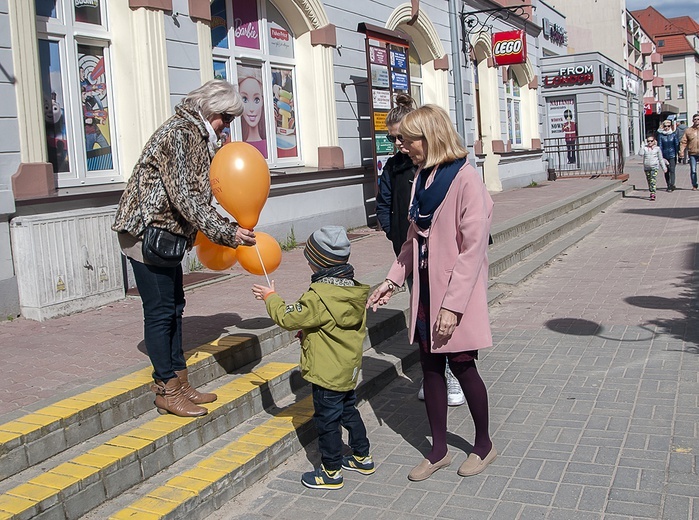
332 410
162 294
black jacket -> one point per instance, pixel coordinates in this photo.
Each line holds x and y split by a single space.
393 199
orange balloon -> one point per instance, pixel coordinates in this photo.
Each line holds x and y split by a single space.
214 256
269 250
240 182
200 237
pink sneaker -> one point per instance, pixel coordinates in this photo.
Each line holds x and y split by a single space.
652 196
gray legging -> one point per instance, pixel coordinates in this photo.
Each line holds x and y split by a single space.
670 173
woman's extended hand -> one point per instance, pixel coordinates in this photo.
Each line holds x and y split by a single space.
262 291
381 295
245 237
446 323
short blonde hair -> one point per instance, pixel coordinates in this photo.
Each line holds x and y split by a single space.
432 123
216 96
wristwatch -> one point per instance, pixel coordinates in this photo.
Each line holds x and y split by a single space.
391 285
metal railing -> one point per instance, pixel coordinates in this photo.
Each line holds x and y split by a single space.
587 156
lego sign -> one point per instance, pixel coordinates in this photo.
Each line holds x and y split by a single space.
509 47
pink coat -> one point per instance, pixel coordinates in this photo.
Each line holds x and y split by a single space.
457 264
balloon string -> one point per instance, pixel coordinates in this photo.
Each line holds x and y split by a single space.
263 265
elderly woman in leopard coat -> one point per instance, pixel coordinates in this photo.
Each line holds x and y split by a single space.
170 189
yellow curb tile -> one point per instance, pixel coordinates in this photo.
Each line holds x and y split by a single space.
170 419
207 475
258 439
18 427
32 492
134 514
92 396
145 433
126 441
272 370
140 378
266 430
229 341
93 461
117 387
218 465
248 447
70 404
234 456
55 481
115 452
59 411
6 437
15 505
38 419
287 424
166 426
193 485
172 494
214 349
76 471
5 515
154 506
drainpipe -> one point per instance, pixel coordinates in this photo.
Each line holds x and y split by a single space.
456 67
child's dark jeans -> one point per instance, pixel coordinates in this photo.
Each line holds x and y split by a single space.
332 410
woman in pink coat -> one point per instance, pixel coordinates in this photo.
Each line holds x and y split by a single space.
446 255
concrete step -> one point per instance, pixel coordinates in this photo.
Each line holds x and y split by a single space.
503 256
106 454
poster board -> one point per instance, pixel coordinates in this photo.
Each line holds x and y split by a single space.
388 74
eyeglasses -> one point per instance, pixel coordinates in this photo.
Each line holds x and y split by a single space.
227 118
394 138
667 126
650 141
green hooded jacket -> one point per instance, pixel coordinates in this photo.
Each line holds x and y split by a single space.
333 321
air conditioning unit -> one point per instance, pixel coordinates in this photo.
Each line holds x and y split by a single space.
66 262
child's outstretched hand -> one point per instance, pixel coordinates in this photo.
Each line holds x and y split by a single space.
262 291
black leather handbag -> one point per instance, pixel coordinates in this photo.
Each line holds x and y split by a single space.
163 248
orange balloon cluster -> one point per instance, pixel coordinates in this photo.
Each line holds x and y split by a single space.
214 256
269 251
240 182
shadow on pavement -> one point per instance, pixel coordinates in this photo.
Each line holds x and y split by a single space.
680 213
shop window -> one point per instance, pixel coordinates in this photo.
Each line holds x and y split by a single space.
513 101
253 47
668 91
74 63
680 91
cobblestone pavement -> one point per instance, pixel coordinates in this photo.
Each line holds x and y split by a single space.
594 393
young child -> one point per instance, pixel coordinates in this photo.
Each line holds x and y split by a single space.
652 162
332 319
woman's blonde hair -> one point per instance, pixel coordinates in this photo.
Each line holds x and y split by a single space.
216 96
432 123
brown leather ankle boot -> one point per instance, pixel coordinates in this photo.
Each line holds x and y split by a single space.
192 394
169 398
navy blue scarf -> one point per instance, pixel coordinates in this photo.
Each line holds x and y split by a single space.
427 200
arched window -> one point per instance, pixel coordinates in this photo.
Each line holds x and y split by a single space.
513 101
253 47
416 88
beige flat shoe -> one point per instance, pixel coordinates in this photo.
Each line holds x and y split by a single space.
425 469
473 465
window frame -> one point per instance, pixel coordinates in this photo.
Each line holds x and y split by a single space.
513 107
70 34
234 57
680 91
668 92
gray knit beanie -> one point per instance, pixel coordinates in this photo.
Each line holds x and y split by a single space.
328 247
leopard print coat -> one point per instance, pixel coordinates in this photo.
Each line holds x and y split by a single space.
172 176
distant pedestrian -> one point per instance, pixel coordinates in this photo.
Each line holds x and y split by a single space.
446 254
652 162
392 204
680 132
690 142
669 145
332 319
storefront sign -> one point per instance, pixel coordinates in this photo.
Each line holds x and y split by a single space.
380 121
570 76
398 60
561 112
555 33
509 47
399 81
382 99
378 55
